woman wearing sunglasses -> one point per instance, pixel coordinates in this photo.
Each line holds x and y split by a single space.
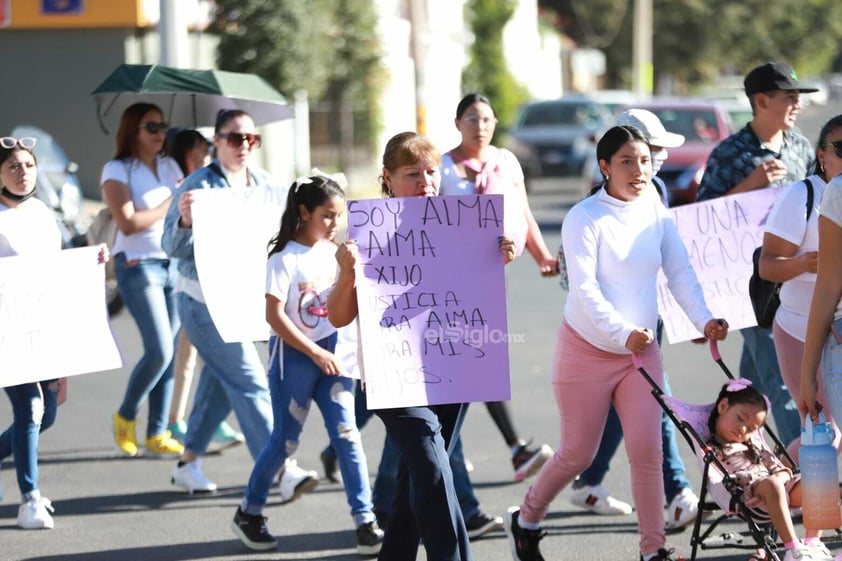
233 376
27 227
137 186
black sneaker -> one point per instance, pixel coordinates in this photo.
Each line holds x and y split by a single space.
523 542
369 539
662 555
252 531
527 461
329 463
480 524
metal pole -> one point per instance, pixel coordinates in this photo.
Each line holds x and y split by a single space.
172 29
418 26
301 130
643 79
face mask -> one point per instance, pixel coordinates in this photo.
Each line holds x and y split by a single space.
658 159
18 198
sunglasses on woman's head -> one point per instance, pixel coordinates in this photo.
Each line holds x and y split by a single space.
10 142
154 128
236 139
837 147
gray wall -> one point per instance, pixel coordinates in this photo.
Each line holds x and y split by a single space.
49 77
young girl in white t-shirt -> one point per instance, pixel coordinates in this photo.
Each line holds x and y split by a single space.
302 366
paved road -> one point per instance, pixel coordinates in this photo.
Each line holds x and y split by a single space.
112 508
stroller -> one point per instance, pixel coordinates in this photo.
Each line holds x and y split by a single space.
720 492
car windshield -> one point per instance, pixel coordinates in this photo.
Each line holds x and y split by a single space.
554 114
698 125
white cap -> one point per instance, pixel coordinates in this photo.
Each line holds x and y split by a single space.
651 127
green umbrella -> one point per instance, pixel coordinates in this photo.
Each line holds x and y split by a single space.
189 98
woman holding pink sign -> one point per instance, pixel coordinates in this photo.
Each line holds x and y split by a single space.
476 166
425 434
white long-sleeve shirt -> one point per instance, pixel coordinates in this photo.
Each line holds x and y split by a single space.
614 250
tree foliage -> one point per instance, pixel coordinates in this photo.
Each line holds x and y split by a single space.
487 71
695 40
281 40
325 47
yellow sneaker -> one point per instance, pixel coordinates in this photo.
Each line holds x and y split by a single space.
124 435
163 446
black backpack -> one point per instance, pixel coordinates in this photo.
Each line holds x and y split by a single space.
764 294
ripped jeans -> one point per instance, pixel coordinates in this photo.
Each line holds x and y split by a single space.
34 411
302 383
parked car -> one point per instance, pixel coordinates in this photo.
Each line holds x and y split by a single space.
557 137
704 123
615 100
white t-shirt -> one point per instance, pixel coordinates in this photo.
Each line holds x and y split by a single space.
787 220
28 229
614 250
301 277
831 208
147 191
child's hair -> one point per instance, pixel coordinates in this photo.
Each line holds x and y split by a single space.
737 391
311 192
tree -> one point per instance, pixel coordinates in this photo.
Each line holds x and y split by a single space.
487 72
327 48
281 40
696 40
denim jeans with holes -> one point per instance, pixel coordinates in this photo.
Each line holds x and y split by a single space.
293 392
34 408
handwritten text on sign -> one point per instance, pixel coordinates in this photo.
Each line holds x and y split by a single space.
231 230
720 236
53 319
432 299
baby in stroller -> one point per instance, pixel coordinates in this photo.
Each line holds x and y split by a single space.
768 484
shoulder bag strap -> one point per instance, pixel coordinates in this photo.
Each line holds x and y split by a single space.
809 185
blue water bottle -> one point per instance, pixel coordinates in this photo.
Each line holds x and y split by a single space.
819 476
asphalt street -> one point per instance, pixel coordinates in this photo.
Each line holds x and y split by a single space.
108 507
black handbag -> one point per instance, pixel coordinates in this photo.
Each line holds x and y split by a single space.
764 294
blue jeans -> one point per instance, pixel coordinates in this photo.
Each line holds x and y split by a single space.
674 472
147 288
425 504
303 381
759 363
34 408
233 377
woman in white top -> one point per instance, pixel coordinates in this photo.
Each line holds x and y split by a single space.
137 186
476 166
27 227
615 242
790 256
823 343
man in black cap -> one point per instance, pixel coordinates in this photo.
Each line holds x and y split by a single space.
766 152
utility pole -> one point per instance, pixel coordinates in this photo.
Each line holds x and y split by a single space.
642 67
418 32
172 29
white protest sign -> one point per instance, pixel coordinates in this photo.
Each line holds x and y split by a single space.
231 232
720 235
431 296
53 317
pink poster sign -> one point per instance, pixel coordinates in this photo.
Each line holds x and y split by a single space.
720 236
431 293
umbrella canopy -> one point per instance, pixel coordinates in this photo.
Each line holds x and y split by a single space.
188 98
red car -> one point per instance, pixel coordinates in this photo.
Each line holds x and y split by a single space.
704 124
